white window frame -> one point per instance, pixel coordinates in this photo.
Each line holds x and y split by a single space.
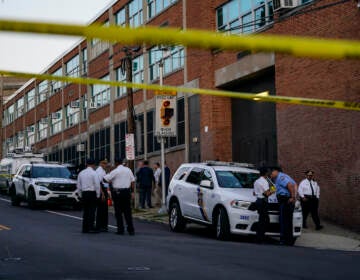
72 67
42 130
100 94
43 89
56 85
72 115
156 7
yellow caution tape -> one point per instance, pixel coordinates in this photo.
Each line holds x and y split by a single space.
355 106
297 46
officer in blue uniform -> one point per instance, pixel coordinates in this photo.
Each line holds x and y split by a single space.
285 192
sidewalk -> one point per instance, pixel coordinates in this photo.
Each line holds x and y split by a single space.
331 237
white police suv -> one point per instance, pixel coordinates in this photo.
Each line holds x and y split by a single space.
220 194
41 183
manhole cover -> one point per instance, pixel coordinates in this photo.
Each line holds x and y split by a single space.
12 259
139 268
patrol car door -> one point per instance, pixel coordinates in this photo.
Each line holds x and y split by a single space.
204 199
190 207
20 181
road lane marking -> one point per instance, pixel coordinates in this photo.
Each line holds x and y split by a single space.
71 216
3 199
2 227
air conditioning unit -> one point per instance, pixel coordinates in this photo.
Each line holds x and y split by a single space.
56 115
30 129
285 4
75 104
92 105
44 121
20 134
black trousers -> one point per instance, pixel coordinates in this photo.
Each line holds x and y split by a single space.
262 208
122 206
102 218
286 220
311 206
89 201
145 195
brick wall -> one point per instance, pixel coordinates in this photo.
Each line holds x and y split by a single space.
325 140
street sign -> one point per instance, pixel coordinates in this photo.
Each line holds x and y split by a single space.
166 114
130 146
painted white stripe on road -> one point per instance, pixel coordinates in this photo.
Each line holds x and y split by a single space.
71 216
3 199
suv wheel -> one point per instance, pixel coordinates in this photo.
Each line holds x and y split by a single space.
15 200
222 225
31 199
176 220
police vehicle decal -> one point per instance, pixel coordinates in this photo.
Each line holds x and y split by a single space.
201 204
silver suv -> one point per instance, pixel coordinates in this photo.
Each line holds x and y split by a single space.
41 183
220 195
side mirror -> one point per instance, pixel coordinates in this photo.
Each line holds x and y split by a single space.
206 184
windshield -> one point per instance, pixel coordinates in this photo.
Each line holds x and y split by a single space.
234 179
50 172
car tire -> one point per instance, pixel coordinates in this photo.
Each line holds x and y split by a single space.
222 225
31 199
15 200
176 220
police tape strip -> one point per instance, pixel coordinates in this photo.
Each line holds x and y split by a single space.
297 46
354 106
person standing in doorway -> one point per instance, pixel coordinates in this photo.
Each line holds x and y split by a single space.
262 191
309 192
145 178
88 187
122 180
102 217
285 192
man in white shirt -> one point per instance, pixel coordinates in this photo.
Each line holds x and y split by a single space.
309 192
262 192
88 187
102 210
157 190
122 180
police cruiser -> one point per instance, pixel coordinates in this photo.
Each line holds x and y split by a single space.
44 183
220 195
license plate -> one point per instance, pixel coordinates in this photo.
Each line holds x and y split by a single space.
272 199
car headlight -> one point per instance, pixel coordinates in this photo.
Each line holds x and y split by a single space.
43 184
240 204
297 206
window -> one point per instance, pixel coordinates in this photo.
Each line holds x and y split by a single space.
71 155
72 66
84 61
195 176
138 74
139 134
95 41
72 115
100 144
244 16
101 93
173 59
20 107
234 179
30 138
20 140
42 129
120 17
84 104
30 99
11 113
56 122
135 13
181 173
157 6
56 85
43 91
50 172
120 132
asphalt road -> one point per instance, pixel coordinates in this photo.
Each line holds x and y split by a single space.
48 244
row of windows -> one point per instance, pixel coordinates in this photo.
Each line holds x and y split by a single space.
245 16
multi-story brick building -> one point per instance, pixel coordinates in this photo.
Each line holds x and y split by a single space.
55 118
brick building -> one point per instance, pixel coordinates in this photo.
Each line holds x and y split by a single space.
55 118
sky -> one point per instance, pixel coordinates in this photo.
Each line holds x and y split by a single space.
32 52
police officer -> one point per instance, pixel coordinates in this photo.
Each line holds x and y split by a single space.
102 217
88 187
122 180
309 192
262 192
285 192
